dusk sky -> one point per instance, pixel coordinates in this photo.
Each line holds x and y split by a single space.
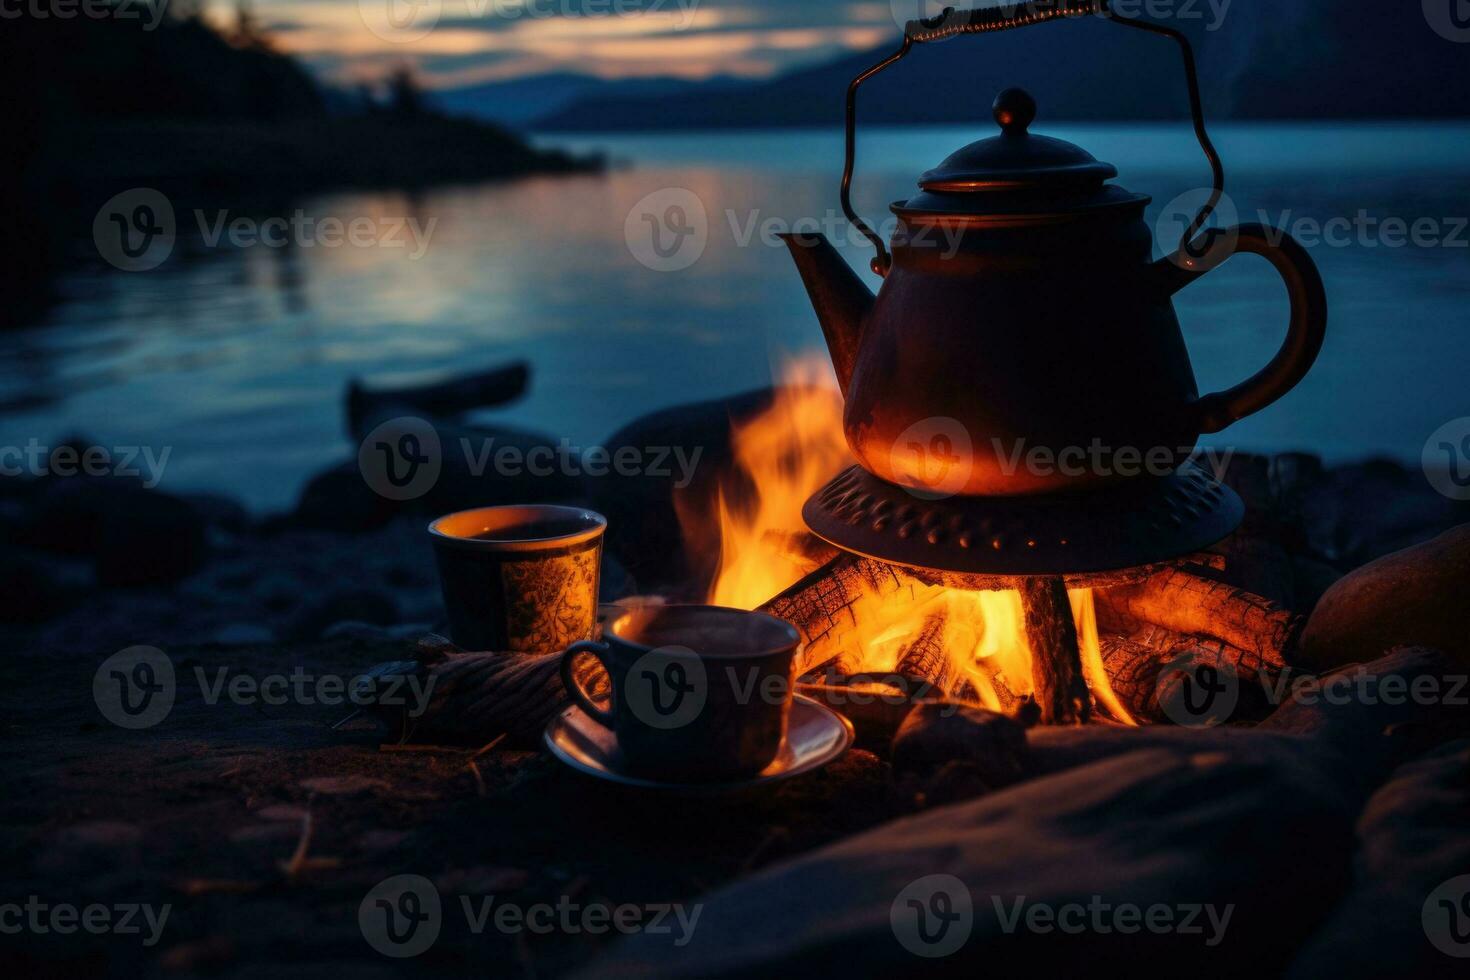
483 40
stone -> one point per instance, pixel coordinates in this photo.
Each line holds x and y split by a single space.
933 735
645 531
338 499
156 540
31 591
1412 597
134 536
1413 855
243 635
1362 511
220 511
321 613
344 785
986 884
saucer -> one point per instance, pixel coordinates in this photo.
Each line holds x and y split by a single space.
815 736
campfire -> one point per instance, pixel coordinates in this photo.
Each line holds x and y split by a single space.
903 633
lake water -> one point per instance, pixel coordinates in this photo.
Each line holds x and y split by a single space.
235 358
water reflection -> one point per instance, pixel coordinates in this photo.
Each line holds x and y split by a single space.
237 357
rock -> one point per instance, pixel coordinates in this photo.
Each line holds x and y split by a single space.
157 540
353 629
479 466
1413 597
30 589
1311 579
1363 511
343 785
282 811
220 511
1379 714
134 536
443 398
1249 476
338 499
488 465
1412 854
481 880
1158 827
322 613
1259 564
644 532
243 635
933 735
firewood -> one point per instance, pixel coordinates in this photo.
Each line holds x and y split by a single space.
876 706
1192 604
473 697
1133 663
925 660
1056 666
826 607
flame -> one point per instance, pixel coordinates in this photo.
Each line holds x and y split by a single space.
964 640
786 454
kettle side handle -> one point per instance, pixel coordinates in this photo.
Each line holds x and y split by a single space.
1304 334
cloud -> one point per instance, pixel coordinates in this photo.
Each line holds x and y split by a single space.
473 40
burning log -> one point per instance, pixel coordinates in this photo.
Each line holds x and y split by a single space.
1143 626
1134 662
1056 665
875 706
1191 604
825 606
926 661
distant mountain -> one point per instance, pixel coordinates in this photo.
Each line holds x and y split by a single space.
519 101
1308 59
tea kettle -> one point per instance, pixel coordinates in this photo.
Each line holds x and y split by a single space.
1022 312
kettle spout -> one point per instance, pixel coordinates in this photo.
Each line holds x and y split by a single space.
840 298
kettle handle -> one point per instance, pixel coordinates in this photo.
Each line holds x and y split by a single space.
988 20
1304 334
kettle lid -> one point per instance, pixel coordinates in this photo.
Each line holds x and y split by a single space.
1017 173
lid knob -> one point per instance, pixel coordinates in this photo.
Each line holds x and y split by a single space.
1014 109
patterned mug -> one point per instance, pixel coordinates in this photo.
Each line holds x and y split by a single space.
521 578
